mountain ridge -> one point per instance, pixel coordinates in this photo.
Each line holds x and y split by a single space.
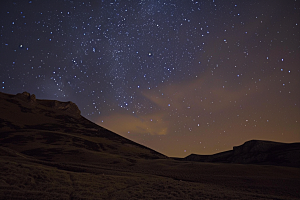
255 152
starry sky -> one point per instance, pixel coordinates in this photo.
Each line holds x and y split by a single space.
178 76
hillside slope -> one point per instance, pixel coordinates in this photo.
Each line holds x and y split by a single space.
256 152
53 130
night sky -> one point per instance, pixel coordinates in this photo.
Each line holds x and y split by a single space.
179 76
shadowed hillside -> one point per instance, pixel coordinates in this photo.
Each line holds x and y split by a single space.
49 151
56 131
256 152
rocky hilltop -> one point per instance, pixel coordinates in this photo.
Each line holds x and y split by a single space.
256 152
69 107
25 96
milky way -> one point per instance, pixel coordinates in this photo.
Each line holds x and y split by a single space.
180 77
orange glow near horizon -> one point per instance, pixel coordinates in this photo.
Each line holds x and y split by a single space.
188 117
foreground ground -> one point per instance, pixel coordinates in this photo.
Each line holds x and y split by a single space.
22 177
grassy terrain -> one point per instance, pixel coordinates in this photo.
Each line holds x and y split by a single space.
22 177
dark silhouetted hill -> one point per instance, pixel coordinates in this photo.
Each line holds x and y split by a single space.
256 152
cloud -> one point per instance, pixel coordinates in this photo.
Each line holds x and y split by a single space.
191 105
126 124
198 94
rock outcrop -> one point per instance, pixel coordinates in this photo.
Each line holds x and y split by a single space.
25 96
68 108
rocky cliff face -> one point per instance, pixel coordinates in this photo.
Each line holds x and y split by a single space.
69 107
